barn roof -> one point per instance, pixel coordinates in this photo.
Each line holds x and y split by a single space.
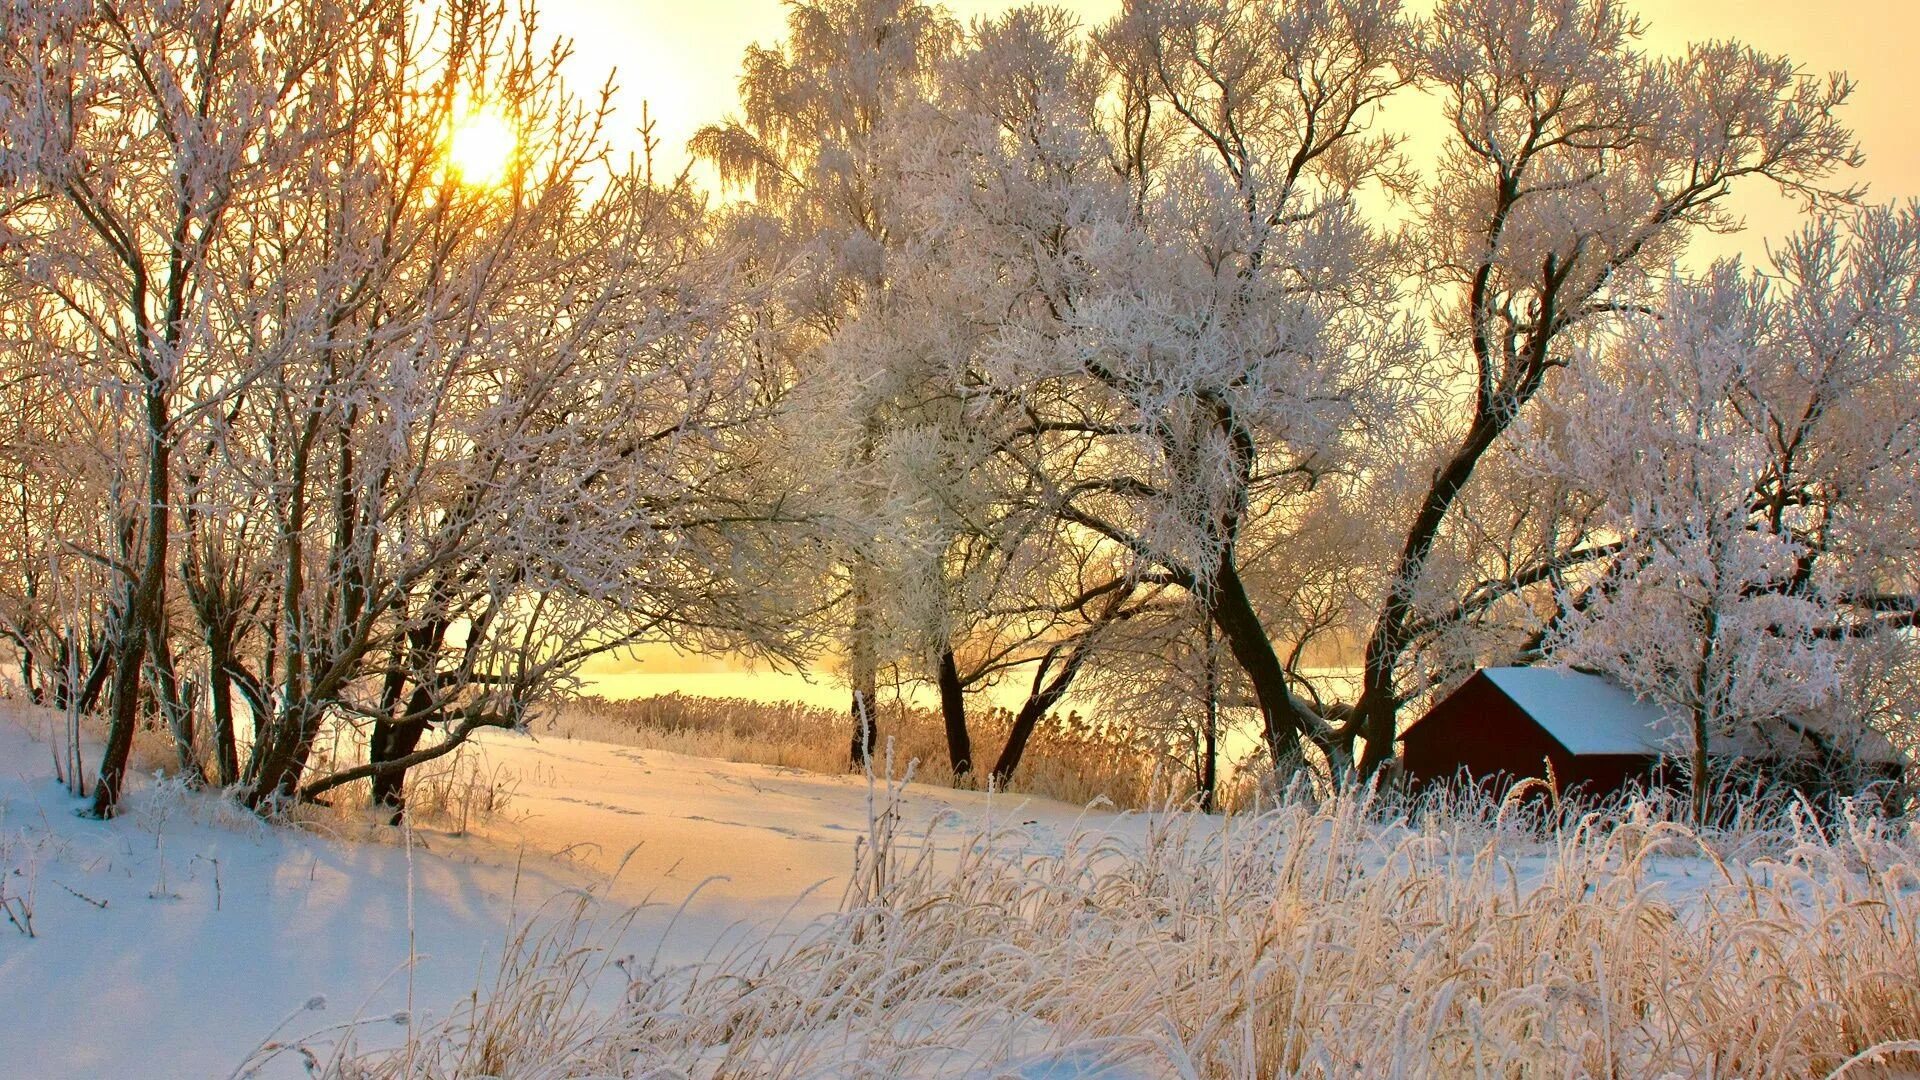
1592 715
1587 714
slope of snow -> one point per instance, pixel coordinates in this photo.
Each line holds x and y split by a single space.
757 836
173 940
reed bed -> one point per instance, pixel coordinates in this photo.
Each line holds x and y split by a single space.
1071 758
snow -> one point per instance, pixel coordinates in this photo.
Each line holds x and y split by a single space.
1585 713
185 932
176 939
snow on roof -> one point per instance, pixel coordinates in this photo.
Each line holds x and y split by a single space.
1585 713
1591 714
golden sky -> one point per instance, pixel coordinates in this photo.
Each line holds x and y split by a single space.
682 58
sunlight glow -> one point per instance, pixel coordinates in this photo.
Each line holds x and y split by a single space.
481 147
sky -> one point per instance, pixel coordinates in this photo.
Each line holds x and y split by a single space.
681 58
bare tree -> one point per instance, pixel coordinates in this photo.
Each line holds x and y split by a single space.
1757 447
806 141
1577 165
135 130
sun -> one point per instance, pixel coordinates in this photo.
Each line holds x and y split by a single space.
481 147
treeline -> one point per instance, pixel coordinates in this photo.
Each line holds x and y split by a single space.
1134 362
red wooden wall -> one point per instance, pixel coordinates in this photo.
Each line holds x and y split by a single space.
1479 730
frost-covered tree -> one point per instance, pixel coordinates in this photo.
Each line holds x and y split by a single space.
527 436
1035 346
1180 286
63 502
409 445
992 588
1576 168
807 142
1176 293
59 505
1757 442
135 135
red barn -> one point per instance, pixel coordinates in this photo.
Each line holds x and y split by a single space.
1513 722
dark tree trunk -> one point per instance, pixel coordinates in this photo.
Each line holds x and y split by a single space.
226 751
217 605
1233 613
1209 772
97 672
259 701
175 706
125 700
276 769
1504 389
1044 695
953 710
864 674
36 694
146 599
63 688
1040 701
1378 709
392 741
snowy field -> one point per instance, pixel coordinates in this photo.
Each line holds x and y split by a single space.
187 932
990 938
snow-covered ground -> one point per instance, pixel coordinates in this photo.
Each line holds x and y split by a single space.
752 838
172 941
1023 939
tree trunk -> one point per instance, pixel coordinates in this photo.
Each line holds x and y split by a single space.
36 694
145 601
953 710
64 689
1378 710
174 706
226 751
276 770
1232 612
1038 704
70 691
391 741
96 683
125 702
394 739
1705 707
1210 724
863 672
1698 794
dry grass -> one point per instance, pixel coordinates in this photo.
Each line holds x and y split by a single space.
1070 758
1322 940
452 792
24 850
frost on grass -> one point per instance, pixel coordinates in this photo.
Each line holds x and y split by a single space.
1318 940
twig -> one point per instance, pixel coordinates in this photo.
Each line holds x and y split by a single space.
101 904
